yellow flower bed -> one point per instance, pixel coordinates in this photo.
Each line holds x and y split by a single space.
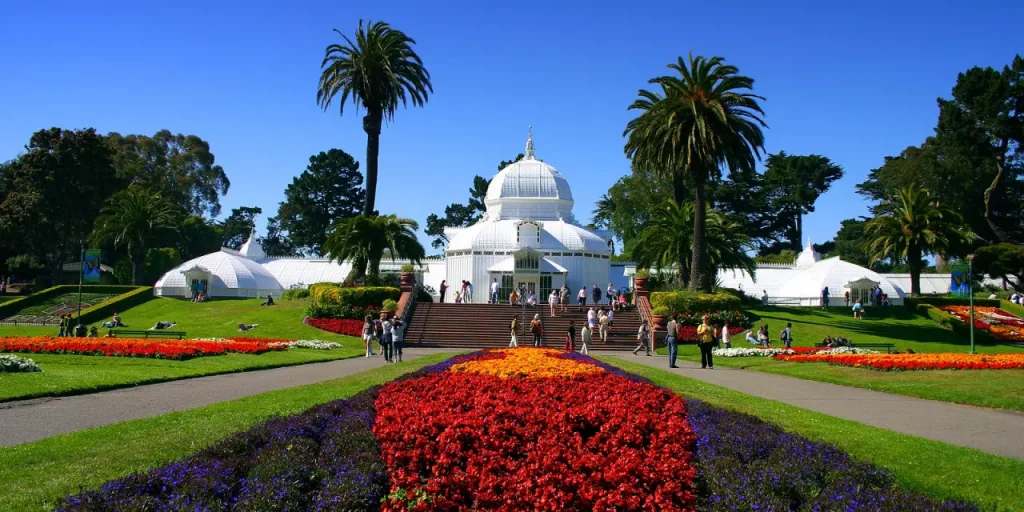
528 362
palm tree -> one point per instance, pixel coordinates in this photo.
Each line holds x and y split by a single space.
132 218
668 240
370 239
912 225
699 121
378 70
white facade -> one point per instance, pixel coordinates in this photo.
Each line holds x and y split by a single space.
528 237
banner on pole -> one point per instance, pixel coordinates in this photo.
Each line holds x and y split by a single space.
91 266
960 281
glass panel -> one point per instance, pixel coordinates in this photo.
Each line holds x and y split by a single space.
545 288
507 281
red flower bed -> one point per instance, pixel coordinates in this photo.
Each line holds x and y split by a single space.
127 347
338 325
887 362
460 441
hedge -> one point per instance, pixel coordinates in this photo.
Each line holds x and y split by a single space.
333 294
106 309
913 302
949 321
12 307
695 302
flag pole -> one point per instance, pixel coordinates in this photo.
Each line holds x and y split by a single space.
81 273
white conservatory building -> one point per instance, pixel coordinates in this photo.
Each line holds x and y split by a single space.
528 237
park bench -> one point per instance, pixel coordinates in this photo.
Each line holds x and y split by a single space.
122 333
887 346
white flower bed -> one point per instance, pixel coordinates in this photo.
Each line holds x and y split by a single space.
313 344
769 352
15 364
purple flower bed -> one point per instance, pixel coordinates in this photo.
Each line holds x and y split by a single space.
327 458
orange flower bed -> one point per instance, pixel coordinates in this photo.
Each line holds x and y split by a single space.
1001 324
527 362
127 347
888 362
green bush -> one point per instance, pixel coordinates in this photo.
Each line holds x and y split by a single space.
660 311
105 310
695 302
333 294
643 272
12 307
389 306
408 268
295 294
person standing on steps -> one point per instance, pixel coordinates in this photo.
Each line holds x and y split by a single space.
553 302
603 325
670 340
468 296
596 293
444 288
537 329
513 327
581 299
570 337
586 337
494 291
643 336
611 295
706 342
563 298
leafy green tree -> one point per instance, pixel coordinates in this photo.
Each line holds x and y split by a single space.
51 194
132 219
378 71
180 168
1005 261
702 120
370 239
197 236
785 256
668 238
911 226
794 183
628 206
330 189
158 261
239 226
278 243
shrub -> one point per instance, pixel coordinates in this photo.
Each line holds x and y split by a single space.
660 311
15 364
408 268
643 272
389 306
295 294
332 294
342 311
695 302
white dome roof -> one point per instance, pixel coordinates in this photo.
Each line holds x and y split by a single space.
529 189
502 235
835 274
808 257
229 273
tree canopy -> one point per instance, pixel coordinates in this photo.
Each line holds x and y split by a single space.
133 218
792 185
239 226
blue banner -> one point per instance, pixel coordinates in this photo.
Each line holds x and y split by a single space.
960 281
91 266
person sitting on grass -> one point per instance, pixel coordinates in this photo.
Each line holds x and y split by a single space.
163 324
247 327
114 322
269 301
762 336
751 338
94 332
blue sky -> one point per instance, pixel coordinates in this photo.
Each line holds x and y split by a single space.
851 81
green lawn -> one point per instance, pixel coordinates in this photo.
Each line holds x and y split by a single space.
68 375
996 388
932 467
33 476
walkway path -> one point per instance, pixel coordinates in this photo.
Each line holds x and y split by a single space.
989 430
30 420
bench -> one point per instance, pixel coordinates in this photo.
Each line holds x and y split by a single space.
887 346
120 333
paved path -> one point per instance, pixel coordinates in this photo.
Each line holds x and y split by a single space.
989 430
30 420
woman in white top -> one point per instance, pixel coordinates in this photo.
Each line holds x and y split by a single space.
532 299
611 318
725 335
586 335
553 302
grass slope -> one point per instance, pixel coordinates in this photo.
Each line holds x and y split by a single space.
999 389
68 375
34 476
935 468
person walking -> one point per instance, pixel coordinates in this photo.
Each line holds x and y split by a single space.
537 330
513 327
847 295
824 298
385 339
670 340
725 335
643 336
468 296
494 291
581 298
563 297
586 337
444 288
604 324
764 297
787 335
706 341
397 340
570 337
61 324
596 293
611 294
368 335
378 332
553 302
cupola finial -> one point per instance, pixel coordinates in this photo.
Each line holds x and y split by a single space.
529 144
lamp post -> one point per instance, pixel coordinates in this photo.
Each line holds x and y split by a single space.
970 292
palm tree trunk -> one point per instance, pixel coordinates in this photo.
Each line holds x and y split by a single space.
914 264
137 271
374 270
371 125
678 188
697 270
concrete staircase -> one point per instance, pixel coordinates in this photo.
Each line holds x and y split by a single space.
486 326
